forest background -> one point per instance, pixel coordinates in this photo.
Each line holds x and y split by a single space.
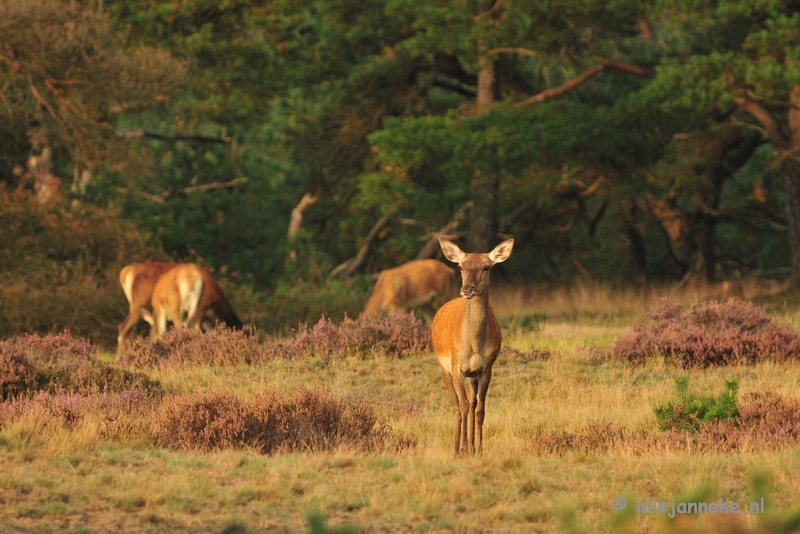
621 141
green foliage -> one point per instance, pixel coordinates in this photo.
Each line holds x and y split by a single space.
689 411
317 525
59 268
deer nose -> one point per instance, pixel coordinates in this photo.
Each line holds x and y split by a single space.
468 291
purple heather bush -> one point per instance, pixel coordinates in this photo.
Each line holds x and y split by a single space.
394 335
125 415
272 422
184 347
765 422
17 375
61 364
709 333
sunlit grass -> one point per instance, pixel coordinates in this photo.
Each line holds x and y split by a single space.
70 478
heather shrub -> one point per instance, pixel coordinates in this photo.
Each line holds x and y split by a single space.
17 375
709 333
271 422
123 415
182 347
688 411
765 422
394 335
61 363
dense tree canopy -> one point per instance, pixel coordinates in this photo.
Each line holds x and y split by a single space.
616 140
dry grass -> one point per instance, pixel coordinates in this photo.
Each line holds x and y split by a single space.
57 478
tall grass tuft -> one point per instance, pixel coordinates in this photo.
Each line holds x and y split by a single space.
709 334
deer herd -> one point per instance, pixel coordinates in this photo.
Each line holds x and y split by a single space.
465 333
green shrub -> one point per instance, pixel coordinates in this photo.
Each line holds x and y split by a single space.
689 411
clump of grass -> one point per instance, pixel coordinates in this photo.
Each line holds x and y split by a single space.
184 347
689 411
708 334
765 422
394 335
62 364
272 422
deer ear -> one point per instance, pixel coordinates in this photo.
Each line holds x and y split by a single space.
502 251
451 250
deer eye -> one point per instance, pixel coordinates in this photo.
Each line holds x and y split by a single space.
486 268
460 268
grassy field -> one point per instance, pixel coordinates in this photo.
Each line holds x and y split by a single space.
57 479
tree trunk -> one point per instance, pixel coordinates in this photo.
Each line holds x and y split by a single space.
482 222
790 169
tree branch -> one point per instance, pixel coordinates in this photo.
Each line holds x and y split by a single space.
350 266
578 80
517 51
767 120
455 86
138 133
448 232
494 8
186 190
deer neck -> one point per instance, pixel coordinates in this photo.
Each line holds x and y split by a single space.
476 314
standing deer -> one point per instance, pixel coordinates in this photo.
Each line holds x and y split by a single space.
466 338
177 293
138 281
419 283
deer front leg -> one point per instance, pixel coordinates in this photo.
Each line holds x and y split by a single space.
473 400
463 407
448 385
480 410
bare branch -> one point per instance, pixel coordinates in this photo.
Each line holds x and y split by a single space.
350 266
767 120
207 187
448 232
517 51
186 190
578 80
138 133
297 213
494 8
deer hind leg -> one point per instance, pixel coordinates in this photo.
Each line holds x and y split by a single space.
125 328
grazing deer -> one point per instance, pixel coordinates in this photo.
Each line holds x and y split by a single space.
177 293
138 281
420 283
214 305
466 338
